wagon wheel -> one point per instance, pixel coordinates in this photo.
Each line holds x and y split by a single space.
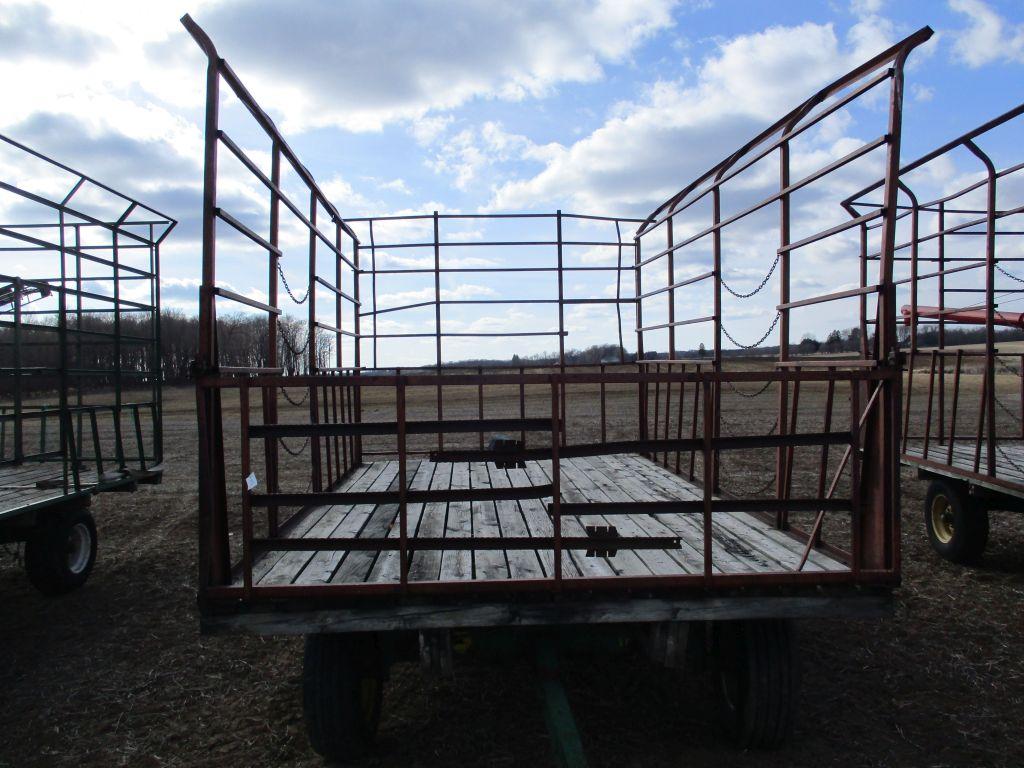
60 556
957 525
757 673
342 684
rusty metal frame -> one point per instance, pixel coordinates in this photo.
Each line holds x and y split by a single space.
77 243
942 412
870 436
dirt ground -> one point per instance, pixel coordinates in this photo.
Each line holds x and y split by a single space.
117 673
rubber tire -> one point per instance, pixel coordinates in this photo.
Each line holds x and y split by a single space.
757 672
970 523
46 560
341 727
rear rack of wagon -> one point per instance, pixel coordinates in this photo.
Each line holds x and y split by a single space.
79 357
964 431
412 497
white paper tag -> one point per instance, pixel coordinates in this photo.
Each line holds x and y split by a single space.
251 481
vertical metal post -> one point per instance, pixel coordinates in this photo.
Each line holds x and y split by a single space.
716 364
561 326
403 514
641 386
990 307
556 483
269 394
941 303
312 365
357 353
243 404
437 324
784 264
708 488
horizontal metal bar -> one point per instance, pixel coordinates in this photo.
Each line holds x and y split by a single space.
676 323
717 173
337 291
326 498
446 426
697 506
829 297
243 229
421 543
333 329
507 334
269 184
680 284
232 296
774 197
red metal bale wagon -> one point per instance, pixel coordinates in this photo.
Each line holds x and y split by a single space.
379 505
963 434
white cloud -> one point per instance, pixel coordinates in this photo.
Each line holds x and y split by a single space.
988 37
645 151
396 185
360 65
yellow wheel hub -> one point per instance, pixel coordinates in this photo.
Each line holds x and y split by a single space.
942 518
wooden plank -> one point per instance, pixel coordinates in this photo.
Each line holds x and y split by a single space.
300 526
570 611
457 564
728 554
741 532
625 562
521 564
487 563
690 531
686 558
727 544
538 520
291 564
539 473
322 565
356 566
387 566
426 564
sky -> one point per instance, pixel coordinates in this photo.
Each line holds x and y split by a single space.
417 106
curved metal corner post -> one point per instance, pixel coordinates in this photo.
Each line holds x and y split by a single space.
989 404
214 556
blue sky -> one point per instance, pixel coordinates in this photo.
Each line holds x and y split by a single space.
602 108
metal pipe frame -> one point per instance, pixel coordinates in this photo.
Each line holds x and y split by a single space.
937 440
873 502
48 348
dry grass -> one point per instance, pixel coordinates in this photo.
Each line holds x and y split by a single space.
117 673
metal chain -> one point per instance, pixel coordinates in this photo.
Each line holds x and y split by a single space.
759 288
288 287
1012 277
298 404
1009 461
297 452
769 433
751 493
1006 408
749 395
1007 368
293 350
759 341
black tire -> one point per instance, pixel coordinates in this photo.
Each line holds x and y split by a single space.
342 685
757 673
60 557
957 525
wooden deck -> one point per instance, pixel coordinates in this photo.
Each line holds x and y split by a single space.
40 482
1009 474
741 542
